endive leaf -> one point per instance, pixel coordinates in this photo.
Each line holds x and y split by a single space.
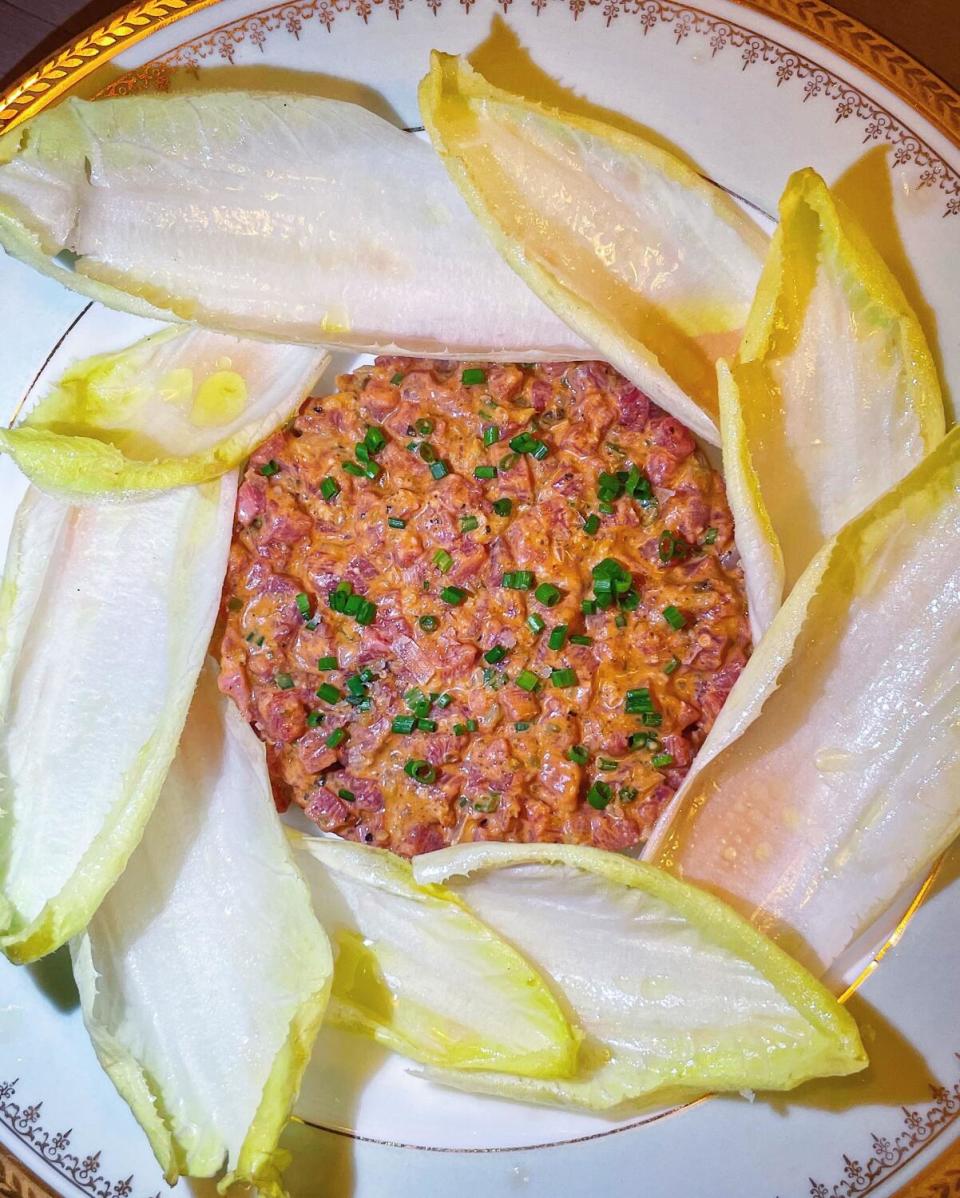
675 992
281 216
181 406
421 975
832 398
204 974
831 780
642 257
105 615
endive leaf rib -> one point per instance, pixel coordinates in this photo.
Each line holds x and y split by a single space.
179 407
107 614
675 992
642 257
208 1055
416 971
832 398
285 217
830 783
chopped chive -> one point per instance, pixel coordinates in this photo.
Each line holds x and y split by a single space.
558 637
269 469
250 636
630 600
674 617
367 613
653 719
581 640
563 678
372 470
591 525
579 754
547 594
606 508
472 725
260 640
493 678
352 468
459 729
336 737
352 604
491 435
397 378
468 523
303 604
661 760
639 700
599 795
527 680
284 682
361 453
420 771
422 709
426 725
356 685
424 426
453 595
605 763
428 623
444 700
710 536
234 603
517 580
588 607
521 726
471 377
632 481
485 472
396 522
329 693
439 469
497 653
621 620
443 561
486 805
347 795
329 489
326 663
414 696
509 461
671 665
314 718
535 623
426 451
374 439
627 794
367 675
503 507
642 740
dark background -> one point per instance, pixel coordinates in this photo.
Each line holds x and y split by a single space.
928 29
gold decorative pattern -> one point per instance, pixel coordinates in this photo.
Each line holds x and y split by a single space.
62 70
921 1126
54 1148
17 1181
681 22
867 49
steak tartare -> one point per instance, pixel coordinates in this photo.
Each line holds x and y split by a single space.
475 601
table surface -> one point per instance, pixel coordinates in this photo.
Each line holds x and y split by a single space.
927 29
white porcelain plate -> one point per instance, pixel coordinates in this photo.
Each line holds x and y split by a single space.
748 99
